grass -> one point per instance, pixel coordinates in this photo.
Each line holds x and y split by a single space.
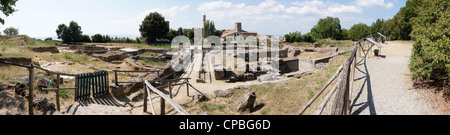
212 107
72 57
153 63
146 54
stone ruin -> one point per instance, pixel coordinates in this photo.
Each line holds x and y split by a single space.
289 64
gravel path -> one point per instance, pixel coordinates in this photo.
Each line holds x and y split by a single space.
382 86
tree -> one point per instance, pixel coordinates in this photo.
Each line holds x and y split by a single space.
85 38
97 38
11 31
107 39
377 26
69 34
7 8
138 40
400 25
63 33
329 27
359 31
309 37
209 29
75 31
154 26
345 34
190 34
430 59
171 34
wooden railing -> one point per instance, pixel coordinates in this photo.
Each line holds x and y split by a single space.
116 78
57 89
343 87
164 97
30 83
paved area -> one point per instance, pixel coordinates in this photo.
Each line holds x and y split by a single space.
381 84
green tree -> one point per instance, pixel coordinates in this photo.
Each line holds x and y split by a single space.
329 27
345 34
171 34
401 23
69 34
188 33
11 31
63 33
377 26
430 59
138 40
153 26
209 29
309 37
75 31
7 8
97 38
85 38
359 31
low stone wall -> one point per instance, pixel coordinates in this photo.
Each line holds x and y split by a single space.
51 49
113 57
17 60
288 66
88 49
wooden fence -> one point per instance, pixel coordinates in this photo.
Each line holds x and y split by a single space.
344 85
30 83
164 97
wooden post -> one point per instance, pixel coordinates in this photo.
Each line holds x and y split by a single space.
145 97
77 88
115 77
107 83
57 93
157 73
163 106
30 93
187 86
170 88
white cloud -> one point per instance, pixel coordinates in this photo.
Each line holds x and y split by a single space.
343 9
315 3
271 10
374 4
168 13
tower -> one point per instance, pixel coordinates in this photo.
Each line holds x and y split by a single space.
239 26
204 18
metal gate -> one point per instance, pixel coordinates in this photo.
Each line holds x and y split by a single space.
95 83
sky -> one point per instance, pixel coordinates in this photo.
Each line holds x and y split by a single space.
40 18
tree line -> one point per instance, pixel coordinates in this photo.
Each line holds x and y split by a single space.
425 21
153 27
397 28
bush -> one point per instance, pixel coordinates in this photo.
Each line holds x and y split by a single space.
11 31
430 59
359 31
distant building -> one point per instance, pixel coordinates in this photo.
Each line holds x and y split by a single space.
238 31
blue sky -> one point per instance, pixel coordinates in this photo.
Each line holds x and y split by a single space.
40 18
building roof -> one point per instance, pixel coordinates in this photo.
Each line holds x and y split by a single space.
234 31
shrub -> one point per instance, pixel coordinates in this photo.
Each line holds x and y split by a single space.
430 59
